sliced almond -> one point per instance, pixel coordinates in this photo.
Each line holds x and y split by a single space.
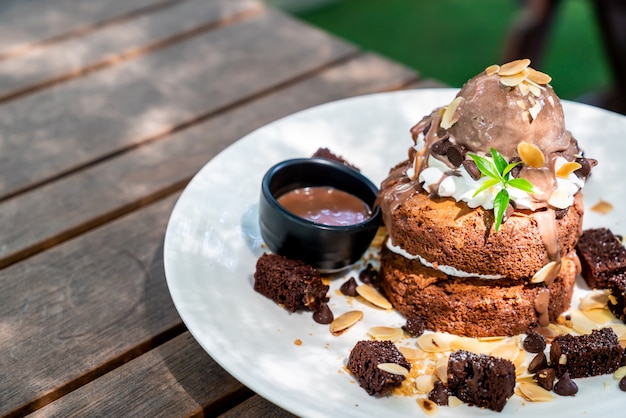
411 353
514 67
428 406
472 345
521 104
513 80
538 77
345 321
453 402
510 352
596 299
441 369
531 155
373 296
534 393
492 69
580 323
528 378
436 342
547 273
559 199
620 373
551 101
424 383
620 329
566 169
386 333
523 88
599 316
451 116
393 368
534 111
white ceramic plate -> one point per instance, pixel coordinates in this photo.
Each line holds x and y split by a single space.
212 244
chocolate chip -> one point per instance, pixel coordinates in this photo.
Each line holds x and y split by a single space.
515 170
414 326
560 213
472 169
441 147
369 275
456 155
534 342
566 386
537 363
439 394
622 384
586 164
349 287
323 314
545 378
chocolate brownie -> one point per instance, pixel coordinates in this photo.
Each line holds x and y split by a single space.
602 255
617 298
329 155
290 283
586 355
481 380
363 364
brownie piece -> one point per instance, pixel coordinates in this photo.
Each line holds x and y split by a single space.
329 155
602 255
586 355
617 299
363 364
479 379
291 283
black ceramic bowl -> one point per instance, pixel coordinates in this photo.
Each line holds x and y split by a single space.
327 248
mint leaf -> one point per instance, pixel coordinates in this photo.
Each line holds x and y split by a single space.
498 160
485 166
522 184
487 184
500 203
510 167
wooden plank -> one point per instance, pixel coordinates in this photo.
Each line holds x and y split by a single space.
177 379
24 23
76 203
256 406
64 128
61 61
74 312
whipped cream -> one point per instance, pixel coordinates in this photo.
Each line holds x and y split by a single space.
449 270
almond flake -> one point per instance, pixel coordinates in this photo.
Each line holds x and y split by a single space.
513 80
428 406
437 342
441 369
551 101
535 90
424 383
523 88
453 402
514 67
345 321
580 323
547 273
531 155
538 77
534 393
451 116
411 353
393 368
534 111
386 333
566 169
620 373
521 104
472 345
508 351
373 296
559 199
599 316
492 69
596 299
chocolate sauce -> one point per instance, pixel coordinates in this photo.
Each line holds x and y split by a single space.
326 205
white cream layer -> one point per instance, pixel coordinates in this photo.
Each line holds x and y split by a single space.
449 270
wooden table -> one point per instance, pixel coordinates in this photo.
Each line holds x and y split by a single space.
107 110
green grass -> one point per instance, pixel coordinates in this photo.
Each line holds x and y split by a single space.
452 40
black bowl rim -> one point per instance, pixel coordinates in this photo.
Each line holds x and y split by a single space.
334 165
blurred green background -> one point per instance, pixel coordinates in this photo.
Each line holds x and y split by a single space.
452 40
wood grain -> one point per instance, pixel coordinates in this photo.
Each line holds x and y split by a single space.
62 61
177 379
26 23
256 406
61 129
76 203
83 308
